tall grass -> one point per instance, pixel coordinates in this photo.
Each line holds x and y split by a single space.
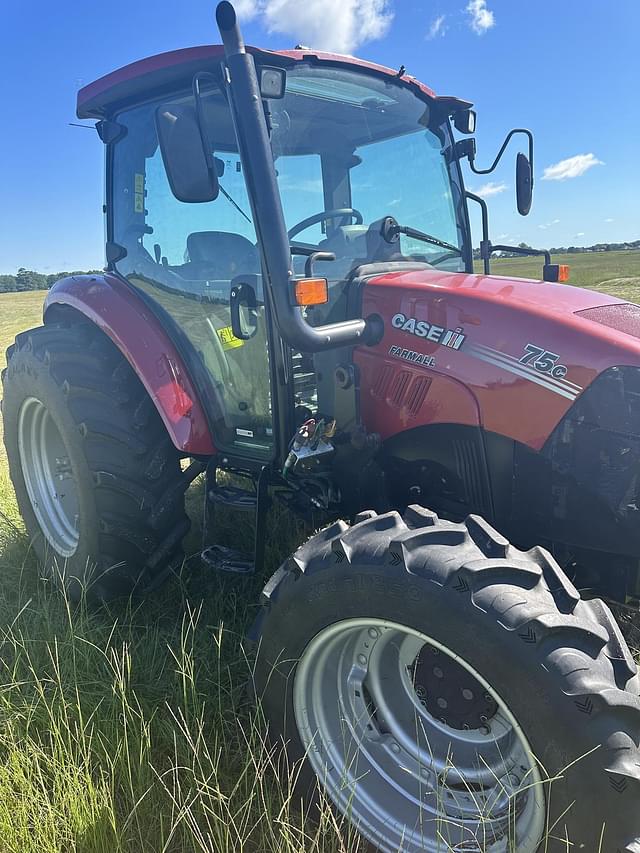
129 728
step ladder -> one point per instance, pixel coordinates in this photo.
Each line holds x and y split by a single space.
254 500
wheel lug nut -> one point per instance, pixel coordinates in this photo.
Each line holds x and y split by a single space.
362 659
373 633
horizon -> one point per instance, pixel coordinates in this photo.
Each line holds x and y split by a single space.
587 172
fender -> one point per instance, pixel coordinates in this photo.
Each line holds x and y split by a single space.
121 313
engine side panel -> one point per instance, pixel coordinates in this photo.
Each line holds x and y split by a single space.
518 347
122 315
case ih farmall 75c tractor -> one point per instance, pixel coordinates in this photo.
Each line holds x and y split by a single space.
289 298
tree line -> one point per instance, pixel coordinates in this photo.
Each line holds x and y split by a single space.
26 279
570 250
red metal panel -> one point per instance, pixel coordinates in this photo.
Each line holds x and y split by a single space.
406 402
481 328
116 309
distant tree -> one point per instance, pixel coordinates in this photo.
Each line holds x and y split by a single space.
30 280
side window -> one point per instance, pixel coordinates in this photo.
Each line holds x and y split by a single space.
173 221
301 189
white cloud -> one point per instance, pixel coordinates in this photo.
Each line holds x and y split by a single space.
579 234
487 190
549 224
246 9
609 219
437 27
481 19
334 25
572 167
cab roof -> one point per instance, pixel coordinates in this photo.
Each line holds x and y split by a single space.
167 71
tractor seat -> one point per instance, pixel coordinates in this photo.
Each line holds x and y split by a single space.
220 255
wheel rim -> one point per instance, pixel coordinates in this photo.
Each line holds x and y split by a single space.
48 476
405 778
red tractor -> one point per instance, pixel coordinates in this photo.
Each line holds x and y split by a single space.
289 298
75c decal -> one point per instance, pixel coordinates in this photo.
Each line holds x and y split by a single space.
544 361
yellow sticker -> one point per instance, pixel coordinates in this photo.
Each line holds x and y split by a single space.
139 180
138 204
228 339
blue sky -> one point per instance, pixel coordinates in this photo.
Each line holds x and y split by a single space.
569 70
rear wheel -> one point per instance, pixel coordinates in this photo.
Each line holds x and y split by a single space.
90 458
449 692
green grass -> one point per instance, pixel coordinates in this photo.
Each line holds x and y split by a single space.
128 729
616 273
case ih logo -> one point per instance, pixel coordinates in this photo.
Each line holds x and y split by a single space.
452 338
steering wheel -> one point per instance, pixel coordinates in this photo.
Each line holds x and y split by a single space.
323 215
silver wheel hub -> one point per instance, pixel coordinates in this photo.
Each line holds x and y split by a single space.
413 745
48 477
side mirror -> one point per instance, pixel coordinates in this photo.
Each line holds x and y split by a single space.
524 184
465 121
187 165
273 82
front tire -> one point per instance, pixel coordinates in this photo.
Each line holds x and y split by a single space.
393 651
90 458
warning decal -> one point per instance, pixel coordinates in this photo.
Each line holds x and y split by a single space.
228 339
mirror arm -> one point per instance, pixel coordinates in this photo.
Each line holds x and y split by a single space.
529 136
204 137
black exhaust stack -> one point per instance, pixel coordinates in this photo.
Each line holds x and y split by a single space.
257 162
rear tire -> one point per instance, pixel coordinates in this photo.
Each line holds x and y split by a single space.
557 664
89 458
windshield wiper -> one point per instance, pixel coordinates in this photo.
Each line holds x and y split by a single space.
234 203
391 231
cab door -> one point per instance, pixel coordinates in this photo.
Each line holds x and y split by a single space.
187 257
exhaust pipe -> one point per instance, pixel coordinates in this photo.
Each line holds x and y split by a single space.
257 162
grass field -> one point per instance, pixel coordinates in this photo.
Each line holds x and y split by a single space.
617 273
128 728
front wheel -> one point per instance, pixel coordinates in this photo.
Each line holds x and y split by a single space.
449 692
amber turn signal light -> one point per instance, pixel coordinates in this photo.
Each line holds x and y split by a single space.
556 272
311 291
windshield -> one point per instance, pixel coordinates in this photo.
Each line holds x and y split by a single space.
343 140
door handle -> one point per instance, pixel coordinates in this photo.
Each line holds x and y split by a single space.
243 302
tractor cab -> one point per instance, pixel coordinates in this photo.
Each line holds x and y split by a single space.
352 148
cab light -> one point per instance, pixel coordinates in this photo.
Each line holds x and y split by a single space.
563 272
311 291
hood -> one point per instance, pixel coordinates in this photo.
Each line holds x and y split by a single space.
534 296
